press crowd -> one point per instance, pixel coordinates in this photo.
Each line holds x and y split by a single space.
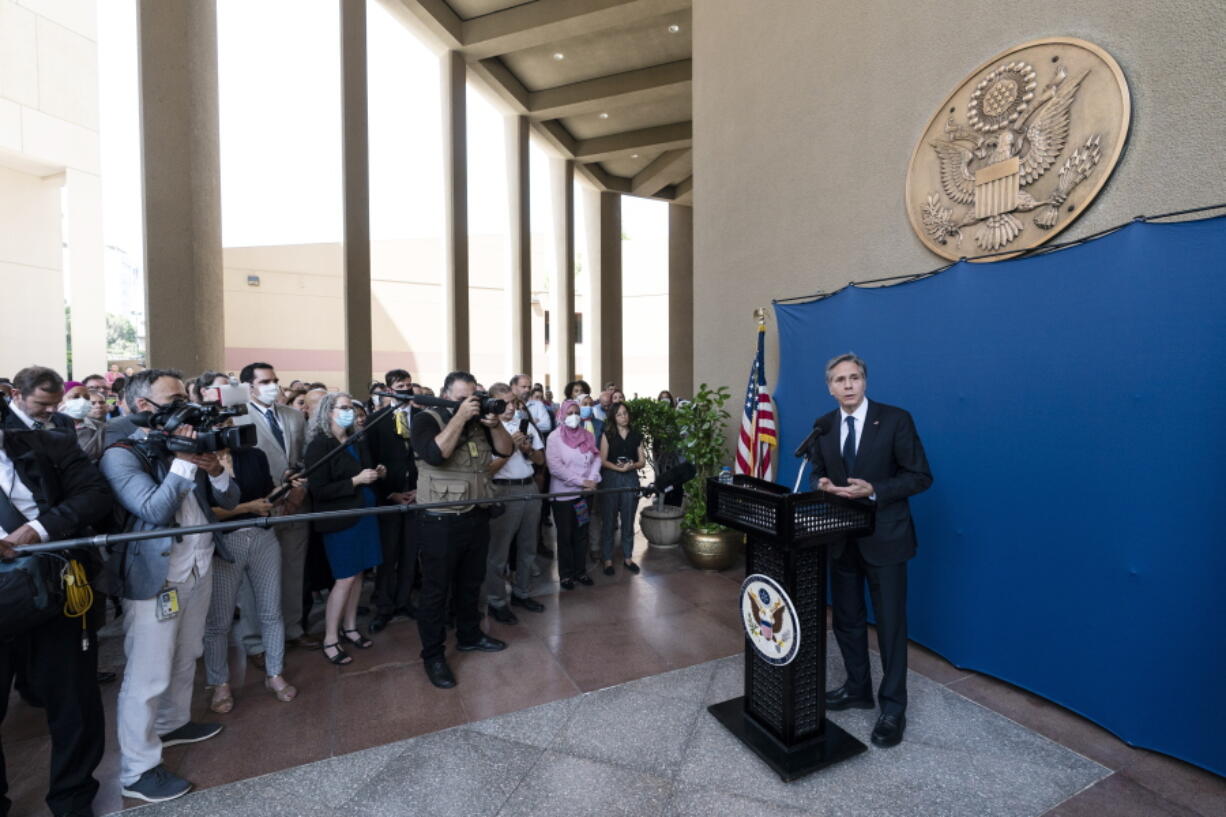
79 458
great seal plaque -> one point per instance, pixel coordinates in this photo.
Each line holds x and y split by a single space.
1019 150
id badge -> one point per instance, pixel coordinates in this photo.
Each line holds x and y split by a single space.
168 604
472 450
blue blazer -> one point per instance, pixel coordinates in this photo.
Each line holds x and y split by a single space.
153 499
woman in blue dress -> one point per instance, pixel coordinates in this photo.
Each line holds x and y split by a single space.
353 546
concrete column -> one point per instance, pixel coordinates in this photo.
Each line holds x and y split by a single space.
355 175
83 236
182 189
607 306
563 308
681 300
455 184
519 187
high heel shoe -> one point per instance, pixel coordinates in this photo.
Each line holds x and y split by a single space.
223 699
341 658
285 693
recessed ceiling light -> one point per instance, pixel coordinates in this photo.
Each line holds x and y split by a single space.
634 155
558 55
674 28
603 115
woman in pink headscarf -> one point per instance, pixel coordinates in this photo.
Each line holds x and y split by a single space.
574 463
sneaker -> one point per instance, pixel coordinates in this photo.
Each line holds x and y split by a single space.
157 786
191 732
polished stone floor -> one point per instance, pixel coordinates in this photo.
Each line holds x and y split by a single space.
603 693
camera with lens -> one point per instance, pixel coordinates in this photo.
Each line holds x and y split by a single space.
204 418
490 405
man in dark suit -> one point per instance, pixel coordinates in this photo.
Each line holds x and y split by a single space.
389 442
871 451
50 490
37 393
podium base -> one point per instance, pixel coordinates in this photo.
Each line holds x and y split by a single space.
833 745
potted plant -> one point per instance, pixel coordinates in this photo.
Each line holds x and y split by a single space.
657 421
707 545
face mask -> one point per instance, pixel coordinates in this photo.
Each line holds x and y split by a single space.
269 393
77 408
345 418
585 412
572 420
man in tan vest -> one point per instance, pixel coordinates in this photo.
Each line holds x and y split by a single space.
453 450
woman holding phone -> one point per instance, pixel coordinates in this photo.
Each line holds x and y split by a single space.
621 456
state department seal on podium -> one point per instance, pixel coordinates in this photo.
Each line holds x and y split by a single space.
1019 150
770 619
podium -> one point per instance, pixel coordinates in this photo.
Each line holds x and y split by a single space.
782 715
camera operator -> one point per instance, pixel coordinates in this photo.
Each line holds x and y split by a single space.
50 490
166 585
453 449
514 476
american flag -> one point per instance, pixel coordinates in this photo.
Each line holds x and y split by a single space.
755 448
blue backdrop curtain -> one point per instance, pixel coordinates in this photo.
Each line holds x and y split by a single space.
1073 407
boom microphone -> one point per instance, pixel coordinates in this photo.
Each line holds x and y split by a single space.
677 475
820 427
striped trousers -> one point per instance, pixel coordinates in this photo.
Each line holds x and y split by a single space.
257 554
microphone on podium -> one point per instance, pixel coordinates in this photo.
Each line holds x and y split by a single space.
820 427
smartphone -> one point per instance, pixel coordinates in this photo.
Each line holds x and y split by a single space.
623 460
523 427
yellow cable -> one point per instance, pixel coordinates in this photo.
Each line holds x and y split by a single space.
78 595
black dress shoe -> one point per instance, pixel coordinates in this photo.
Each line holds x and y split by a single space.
439 673
531 605
842 698
484 644
889 729
585 580
379 623
568 584
503 614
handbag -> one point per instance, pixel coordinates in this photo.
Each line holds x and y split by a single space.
31 592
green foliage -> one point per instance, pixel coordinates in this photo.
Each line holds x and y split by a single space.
121 342
702 424
657 421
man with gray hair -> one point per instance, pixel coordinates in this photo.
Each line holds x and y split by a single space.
870 451
166 585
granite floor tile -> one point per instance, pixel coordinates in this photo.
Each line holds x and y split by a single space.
535 726
929 664
605 655
1181 783
523 675
688 684
564 786
693 801
690 637
636 730
455 773
335 780
247 798
1120 796
700 587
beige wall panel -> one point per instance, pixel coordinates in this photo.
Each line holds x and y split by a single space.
79 16
67 75
10 126
802 188
50 139
30 213
83 225
18 54
33 308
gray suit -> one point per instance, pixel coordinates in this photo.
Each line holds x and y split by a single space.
118 428
153 500
293 538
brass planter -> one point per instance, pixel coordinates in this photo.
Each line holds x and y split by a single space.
712 551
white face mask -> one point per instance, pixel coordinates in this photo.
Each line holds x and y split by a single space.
269 392
572 420
77 408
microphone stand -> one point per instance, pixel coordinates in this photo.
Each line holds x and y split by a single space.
800 473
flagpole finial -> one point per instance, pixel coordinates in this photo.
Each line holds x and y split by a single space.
759 315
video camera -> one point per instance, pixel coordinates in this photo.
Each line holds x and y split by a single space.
489 405
228 401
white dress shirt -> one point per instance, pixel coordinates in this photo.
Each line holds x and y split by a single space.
25 418
195 551
18 493
519 466
860 414
540 416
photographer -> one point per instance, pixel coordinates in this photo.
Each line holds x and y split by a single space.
453 449
50 490
513 477
166 583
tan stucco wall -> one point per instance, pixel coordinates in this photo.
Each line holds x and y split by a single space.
805 116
